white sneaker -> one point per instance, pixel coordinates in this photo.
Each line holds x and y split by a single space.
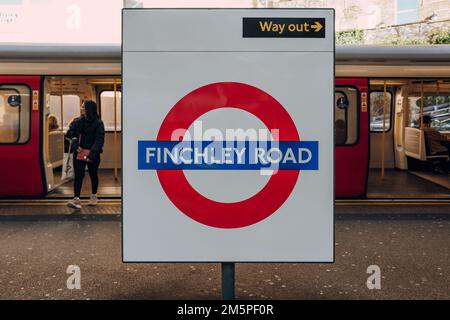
75 203
93 200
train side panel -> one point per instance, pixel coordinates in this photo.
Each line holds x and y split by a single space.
21 172
352 161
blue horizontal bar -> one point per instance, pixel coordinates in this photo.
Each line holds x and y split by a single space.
228 155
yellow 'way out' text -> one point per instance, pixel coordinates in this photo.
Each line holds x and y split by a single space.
269 26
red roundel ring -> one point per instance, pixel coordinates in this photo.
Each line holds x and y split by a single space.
236 214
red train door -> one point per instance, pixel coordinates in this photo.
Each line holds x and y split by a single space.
352 136
21 170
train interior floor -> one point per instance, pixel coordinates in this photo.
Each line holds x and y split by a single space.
399 184
109 187
440 179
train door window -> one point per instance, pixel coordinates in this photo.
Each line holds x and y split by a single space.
376 111
346 115
71 103
107 110
15 113
436 106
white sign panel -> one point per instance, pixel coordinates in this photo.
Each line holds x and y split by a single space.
228 140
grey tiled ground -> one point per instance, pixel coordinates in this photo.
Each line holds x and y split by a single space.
413 255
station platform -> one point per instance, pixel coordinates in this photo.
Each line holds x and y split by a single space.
111 209
393 208
56 209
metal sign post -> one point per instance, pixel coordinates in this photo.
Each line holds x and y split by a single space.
228 280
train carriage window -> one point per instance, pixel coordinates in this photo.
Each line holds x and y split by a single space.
436 106
71 108
376 111
346 115
107 109
15 113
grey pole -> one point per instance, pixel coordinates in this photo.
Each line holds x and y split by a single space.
228 281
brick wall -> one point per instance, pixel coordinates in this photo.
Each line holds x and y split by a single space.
378 18
367 14
418 33
441 8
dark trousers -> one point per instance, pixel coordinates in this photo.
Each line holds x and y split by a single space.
79 168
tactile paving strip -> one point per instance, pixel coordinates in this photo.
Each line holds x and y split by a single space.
58 210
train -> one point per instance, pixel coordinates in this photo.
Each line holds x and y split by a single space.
381 93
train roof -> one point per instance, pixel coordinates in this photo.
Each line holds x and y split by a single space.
52 52
393 54
348 54
351 61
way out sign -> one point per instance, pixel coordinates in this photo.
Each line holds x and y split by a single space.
228 141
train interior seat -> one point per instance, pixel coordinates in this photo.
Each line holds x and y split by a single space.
418 151
416 146
56 148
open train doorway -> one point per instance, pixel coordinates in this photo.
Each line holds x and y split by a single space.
63 97
408 156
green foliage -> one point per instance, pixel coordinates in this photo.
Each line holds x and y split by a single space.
357 37
440 37
432 100
350 37
396 41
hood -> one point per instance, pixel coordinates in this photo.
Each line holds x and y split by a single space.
90 108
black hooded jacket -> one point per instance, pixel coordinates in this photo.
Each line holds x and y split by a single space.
90 132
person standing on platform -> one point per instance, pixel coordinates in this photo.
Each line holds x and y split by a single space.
87 133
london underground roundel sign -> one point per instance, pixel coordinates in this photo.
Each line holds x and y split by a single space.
287 155
227 135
